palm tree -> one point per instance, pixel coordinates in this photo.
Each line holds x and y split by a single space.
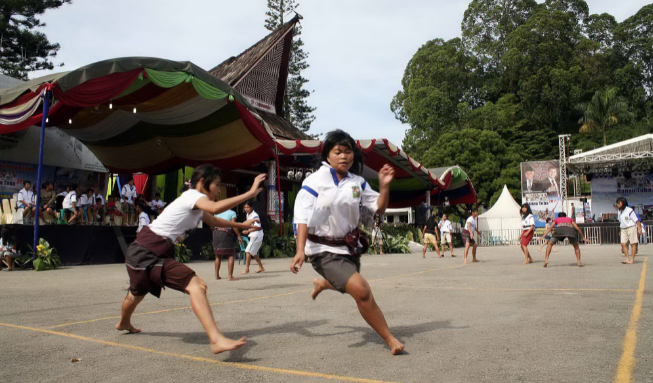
607 109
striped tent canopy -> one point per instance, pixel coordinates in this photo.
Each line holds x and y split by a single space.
412 180
139 114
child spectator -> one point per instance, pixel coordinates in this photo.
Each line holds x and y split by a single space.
70 204
143 218
26 200
112 210
8 249
157 205
85 201
98 205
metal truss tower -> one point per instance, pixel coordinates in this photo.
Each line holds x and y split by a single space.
562 146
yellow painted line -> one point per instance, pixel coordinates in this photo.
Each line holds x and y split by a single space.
180 308
499 289
627 361
241 366
239 300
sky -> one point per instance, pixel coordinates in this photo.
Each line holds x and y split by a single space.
358 49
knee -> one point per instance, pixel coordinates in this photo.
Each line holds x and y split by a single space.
197 286
361 292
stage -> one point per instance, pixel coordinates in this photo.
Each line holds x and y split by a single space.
94 245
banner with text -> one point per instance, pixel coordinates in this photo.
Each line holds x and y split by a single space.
541 189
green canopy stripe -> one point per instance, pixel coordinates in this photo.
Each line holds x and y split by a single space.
207 91
166 79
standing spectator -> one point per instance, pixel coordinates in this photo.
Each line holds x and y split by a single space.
26 200
470 235
446 227
573 212
224 243
528 230
143 218
377 235
430 236
98 207
630 226
255 239
127 200
48 200
69 204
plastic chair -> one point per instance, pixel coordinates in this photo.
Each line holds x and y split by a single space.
243 247
7 216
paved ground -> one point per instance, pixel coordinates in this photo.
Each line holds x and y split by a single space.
493 321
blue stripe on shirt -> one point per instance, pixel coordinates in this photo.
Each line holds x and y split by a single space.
308 189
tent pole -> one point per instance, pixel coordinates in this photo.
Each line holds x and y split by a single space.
37 208
276 154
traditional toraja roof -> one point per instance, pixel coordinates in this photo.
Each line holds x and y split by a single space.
411 181
260 72
280 127
144 114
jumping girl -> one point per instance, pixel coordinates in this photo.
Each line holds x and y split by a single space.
327 216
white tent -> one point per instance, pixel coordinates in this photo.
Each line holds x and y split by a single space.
502 223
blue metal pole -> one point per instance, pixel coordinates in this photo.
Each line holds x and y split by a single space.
46 110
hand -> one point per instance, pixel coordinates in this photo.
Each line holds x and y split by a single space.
386 174
639 231
256 186
245 232
251 222
240 240
297 262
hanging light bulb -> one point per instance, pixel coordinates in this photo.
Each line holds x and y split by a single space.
70 121
134 110
308 173
299 175
110 105
47 120
291 174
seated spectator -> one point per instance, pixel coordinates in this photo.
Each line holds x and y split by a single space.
48 200
8 249
112 209
99 210
85 202
157 205
146 205
26 200
143 218
69 204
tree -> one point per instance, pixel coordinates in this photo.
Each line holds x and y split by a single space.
296 108
635 36
606 110
22 48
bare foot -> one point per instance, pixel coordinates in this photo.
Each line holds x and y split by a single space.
525 263
545 264
580 265
464 262
453 255
226 344
625 262
245 272
317 288
441 256
233 279
218 277
631 262
475 260
260 270
127 327
395 346
540 249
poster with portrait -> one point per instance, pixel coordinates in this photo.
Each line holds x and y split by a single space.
541 189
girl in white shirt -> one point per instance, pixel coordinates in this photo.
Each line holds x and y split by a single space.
255 240
528 229
327 215
150 259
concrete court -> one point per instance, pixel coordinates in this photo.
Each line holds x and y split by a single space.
494 321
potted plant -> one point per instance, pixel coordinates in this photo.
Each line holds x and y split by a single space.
182 253
46 257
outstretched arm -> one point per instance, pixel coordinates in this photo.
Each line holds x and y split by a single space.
579 231
300 256
218 207
219 222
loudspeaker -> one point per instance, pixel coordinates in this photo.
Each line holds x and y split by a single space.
589 177
628 175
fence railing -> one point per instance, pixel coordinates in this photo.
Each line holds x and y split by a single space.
596 235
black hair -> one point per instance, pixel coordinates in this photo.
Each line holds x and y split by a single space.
528 210
548 219
208 172
45 184
157 195
474 211
250 203
141 205
98 200
432 218
624 202
89 191
27 182
73 187
562 215
528 168
341 138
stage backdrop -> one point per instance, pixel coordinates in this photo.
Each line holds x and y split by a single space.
541 189
638 190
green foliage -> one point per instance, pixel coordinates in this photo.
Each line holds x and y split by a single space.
296 108
503 93
24 48
182 253
278 246
606 110
207 251
396 245
46 256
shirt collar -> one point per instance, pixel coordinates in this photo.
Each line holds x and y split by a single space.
334 175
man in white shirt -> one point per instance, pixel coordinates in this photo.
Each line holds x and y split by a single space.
25 200
128 197
631 227
470 235
445 233
255 240
70 204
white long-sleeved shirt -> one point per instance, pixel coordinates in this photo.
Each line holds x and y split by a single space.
330 207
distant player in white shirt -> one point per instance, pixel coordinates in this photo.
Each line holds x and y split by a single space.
143 218
327 215
631 227
470 235
255 240
445 233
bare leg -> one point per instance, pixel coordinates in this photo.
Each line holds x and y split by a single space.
260 264
381 247
548 252
474 252
633 251
624 249
450 247
10 262
248 260
424 250
219 343
320 285
524 250
128 306
218 262
466 252
577 249
231 269
437 249
360 290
